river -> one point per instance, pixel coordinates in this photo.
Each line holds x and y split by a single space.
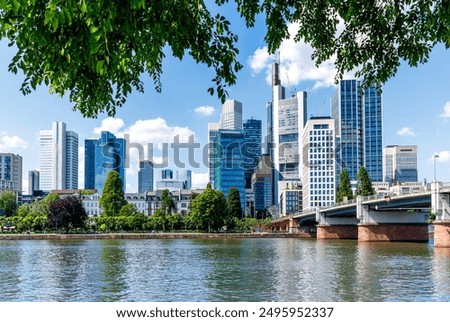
202 270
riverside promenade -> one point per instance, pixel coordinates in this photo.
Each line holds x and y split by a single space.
151 236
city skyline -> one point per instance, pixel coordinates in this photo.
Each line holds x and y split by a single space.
416 105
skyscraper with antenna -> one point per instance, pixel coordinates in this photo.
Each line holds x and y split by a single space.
287 117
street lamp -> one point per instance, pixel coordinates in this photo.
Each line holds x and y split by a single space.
435 156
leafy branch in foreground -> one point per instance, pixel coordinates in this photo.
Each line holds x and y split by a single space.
97 50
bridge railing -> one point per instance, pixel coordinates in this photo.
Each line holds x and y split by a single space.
386 197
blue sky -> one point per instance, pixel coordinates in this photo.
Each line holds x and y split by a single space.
416 105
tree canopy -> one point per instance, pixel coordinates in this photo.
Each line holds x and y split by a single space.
8 203
113 198
234 203
209 209
345 188
97 50
66 213
365 185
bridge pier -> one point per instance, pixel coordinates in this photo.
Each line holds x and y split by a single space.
336 227
337 232
392 232
390 224
440 205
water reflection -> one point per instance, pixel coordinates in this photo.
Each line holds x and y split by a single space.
440 275
223 270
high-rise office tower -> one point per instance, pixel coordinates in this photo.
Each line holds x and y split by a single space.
359 130
58 158
286 122
102 156
33 181
262 183
251 149
11 170
231 116
319 163
400 163
229 172
145 176
213 131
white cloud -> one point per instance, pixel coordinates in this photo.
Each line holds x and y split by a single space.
204 110
156 131
110 124
406 131
296 64
200 179
260 60
12 142
446 113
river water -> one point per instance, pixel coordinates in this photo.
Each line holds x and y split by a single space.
222 270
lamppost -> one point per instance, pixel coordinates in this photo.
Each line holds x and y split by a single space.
435 156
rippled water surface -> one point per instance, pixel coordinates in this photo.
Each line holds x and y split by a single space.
222 270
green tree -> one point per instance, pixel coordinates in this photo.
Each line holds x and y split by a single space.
8 203
66 213
113 198
234 207
97 50
157 221
128 210
345 188
167 203
365 184
209 209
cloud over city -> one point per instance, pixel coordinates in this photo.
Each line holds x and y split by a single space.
296 64
205 110
7 143
110 124
406 131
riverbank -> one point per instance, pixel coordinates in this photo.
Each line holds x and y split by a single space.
151 236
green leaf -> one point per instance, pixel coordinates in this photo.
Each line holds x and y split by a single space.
83 6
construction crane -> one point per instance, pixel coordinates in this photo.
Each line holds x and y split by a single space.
292 89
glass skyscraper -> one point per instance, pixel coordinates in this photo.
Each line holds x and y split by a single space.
359 129
102 156
230 172
213 130
252 148
145 176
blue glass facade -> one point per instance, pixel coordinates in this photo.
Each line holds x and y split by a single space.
262 187
145 176
230 171
373 134
101 157
252 148
358 116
